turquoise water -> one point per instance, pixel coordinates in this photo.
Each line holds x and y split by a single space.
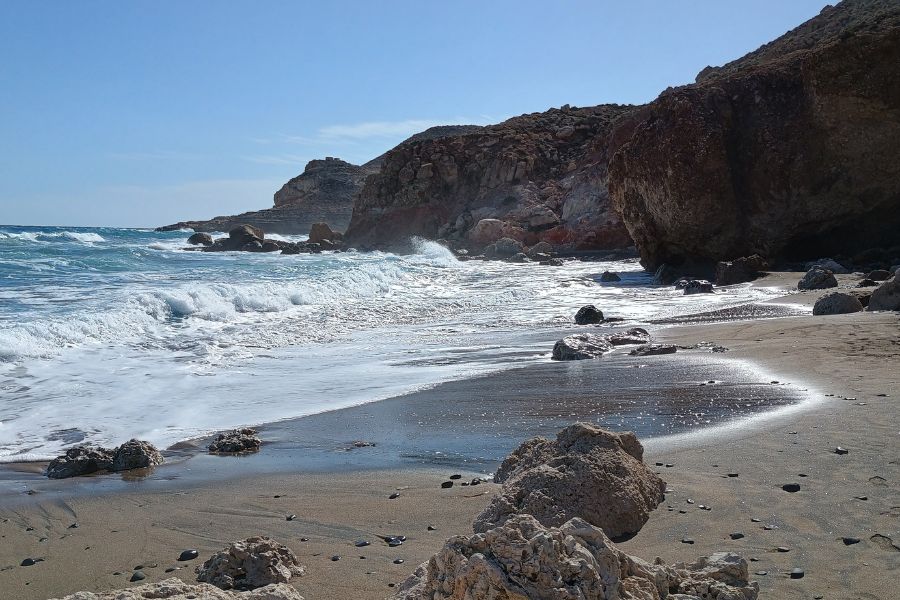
107 334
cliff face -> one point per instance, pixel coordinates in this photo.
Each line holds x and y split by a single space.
324 192
542 175
792 151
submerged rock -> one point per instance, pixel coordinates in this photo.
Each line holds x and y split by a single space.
175 589
581 346
817 278
523 559
586 472
251 563
136 454
698 286
236 441
837 303
588 315
320 232
200 239
635 335
609 276
887 295
82 460
654 349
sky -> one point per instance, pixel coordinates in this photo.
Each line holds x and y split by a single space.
144 113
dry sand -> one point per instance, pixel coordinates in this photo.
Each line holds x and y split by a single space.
848 363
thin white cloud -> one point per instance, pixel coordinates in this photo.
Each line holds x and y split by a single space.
154 156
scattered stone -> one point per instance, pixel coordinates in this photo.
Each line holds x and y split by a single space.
394 496
138 576
609 276
849 541
761 573
736 535
447 485
200 239
791 487
581 346
290 517
82 460
432 528
361 543
687 540
398 561
733 474
654 349
236 441
840 450
837 303
740 270
475 481
817 278
580 474
250 563
635 335
588 315
783 549
797 573
524 559
336 558
28 562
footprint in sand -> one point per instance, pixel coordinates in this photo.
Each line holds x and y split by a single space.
879 481
885 543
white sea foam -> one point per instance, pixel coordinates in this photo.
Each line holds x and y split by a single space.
41 236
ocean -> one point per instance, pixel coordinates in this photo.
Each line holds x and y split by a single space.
108 334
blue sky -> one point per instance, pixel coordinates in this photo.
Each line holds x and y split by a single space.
143 113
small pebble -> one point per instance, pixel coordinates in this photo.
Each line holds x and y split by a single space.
456 476
761 573
783 549
476 481
797 573
447 484
398 561
394 496
849 541
73 526
863 498
290 517
791 487
732 474
754 520
304 539
394 542
171 569
28 562
138 576
335 558
840 450
736 535
361 543
669 465
687 540
689 501
432 528
189 554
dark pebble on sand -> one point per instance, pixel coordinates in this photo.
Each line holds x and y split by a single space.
73 526
791 487
43 539
189 554
736 535
669 465
476 481
138 576
335 558
768 527
171 569
689 501
849 541
361 543
761 573
394 542
304 539
797 573
687 540
863 498
28 562
394 496
432 528
783 549
29 529
754 520
733 474
659 464
456 476
398 561
446 485
840 450
290 517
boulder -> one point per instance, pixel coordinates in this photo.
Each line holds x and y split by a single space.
271 246
175 589
541 248
866 283
244 234
740 270
249 564
817 278
200 239
82 460
666 275
879 275
581 346
837 303
586 472
609 276
524 559
635 335
519 257
321 231
136 454
654 349
887 295
507 247
236 441
829 264
588 315
252 246
698 286
290 248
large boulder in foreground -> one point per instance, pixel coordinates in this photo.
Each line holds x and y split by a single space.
136 454
524 559
887 295
175 589
251 563
837 303
790 151
82 460
587 472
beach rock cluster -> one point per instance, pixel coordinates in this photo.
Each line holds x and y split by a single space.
523 558
251 563
236 441
583 346
586 472
84 460
175 589
788 151
535 178
247 238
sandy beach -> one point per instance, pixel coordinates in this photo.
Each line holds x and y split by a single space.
843 367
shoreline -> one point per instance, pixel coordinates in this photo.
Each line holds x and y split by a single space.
339 505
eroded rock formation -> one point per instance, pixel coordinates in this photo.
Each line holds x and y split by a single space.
84 460
524 559
793 150
536 177
251 563
175 589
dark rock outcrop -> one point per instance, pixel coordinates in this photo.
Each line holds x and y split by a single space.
817 278
588 315
136 454
84 460
537 177
698 286
837 303
792 151
584 346
586 472
200 239
887 295
236 441
740 270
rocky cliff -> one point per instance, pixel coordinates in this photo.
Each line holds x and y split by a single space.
324 192
792 151
537 177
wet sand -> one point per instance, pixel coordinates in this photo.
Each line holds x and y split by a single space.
855 356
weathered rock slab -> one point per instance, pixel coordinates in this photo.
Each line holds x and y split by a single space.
251 563
175 589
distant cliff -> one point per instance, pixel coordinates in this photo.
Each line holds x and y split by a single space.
537 177
791 151
324 192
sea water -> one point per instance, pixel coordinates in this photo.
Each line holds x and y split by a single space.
108 334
